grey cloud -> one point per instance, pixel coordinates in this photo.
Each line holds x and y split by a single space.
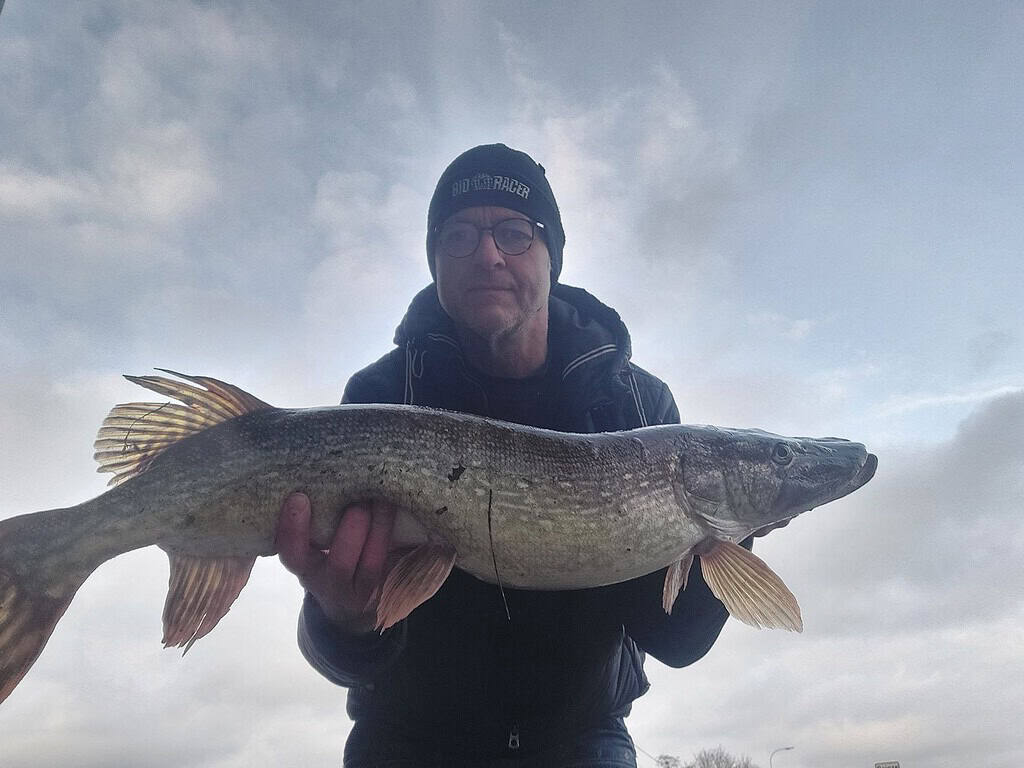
926 542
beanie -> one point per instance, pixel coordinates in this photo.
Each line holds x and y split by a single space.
493 174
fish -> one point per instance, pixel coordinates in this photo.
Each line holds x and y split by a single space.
515 506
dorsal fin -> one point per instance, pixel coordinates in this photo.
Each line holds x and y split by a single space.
133 434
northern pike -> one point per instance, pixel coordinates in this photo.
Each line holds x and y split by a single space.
515 506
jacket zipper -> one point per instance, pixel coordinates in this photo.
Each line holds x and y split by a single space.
513 737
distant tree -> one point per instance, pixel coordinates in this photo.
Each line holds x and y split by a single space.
669 761
719 758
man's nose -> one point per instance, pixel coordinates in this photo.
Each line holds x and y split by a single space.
487 250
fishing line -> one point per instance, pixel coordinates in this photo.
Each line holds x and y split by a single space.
494 559
124 448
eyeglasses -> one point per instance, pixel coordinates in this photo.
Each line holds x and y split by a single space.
458 239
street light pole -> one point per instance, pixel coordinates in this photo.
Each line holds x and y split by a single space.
772 755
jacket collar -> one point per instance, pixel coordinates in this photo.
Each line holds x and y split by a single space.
581 327
588 345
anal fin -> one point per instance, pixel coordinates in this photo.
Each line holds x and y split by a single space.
675 581
412 581
199 594
750 590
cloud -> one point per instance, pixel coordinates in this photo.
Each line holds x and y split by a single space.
927 536
788 328
159 179
162 178
24 192
988 348
377 252
901 404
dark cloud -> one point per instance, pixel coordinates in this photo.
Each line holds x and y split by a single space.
924 545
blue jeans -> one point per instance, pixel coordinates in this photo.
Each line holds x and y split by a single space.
606 745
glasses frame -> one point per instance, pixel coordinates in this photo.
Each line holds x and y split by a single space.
535 227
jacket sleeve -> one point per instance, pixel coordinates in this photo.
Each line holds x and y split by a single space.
697 617
344 659
347 660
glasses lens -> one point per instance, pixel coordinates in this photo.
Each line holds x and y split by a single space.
458 239
513 236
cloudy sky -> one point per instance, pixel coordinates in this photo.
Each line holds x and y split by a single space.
807 213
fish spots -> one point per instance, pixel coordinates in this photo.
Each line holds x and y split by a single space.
440 511
456 473
380 469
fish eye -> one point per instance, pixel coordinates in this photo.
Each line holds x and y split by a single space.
782 454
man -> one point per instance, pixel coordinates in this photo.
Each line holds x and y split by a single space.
463 681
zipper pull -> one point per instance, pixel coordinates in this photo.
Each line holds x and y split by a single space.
513 737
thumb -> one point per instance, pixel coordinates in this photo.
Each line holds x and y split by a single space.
292 537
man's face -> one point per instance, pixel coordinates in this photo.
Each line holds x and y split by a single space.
489 292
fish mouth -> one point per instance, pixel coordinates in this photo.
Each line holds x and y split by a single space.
865 473
798 501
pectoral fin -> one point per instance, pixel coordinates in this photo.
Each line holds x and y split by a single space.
414 580
751 591
675 581
200 592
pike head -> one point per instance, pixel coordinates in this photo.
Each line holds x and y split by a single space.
739 481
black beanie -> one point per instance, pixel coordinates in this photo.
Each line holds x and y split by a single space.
493 174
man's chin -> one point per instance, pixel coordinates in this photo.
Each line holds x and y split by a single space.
490 323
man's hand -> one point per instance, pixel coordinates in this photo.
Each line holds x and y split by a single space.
346 579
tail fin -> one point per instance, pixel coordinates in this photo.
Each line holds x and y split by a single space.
34 593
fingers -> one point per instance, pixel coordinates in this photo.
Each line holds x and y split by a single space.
359 549
347 545
375 550
292 537
345 580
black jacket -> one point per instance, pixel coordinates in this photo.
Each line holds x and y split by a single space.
457 670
